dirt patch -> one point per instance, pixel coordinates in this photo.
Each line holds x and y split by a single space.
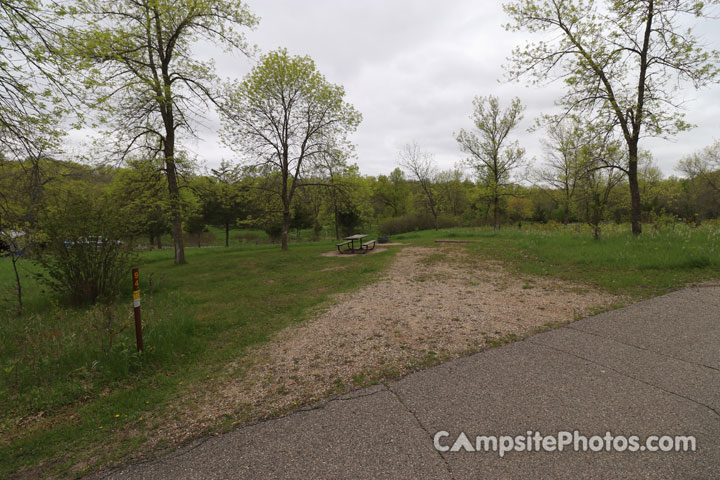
335 253
433 303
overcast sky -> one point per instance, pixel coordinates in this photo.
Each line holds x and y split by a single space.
412 69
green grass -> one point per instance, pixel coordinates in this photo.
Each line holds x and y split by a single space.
197 318
87 400
653 263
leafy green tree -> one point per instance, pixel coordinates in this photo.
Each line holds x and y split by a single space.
283 117
147 81
392 193
452 191
222 200
341 189
622 63
519 208
564 161
492 155
353 194
704 164
31 85
598 179
32 90
594 195
703 187
141 194
13 218
302 217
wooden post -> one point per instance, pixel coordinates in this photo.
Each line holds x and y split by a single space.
136 308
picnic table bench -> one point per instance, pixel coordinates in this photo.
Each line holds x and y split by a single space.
348 246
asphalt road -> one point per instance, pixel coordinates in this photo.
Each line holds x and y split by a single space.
649 369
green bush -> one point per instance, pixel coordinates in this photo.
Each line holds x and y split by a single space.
349 220
84 255
274 231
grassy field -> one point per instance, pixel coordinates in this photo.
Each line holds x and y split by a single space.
63 391
639 267
71 400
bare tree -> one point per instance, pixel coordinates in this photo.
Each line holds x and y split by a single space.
620 61
420 165
492 155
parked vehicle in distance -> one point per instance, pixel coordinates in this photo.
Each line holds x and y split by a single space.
96 241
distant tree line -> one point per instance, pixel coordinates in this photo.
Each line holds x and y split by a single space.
129 72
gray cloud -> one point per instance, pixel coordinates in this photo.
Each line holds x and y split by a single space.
413 68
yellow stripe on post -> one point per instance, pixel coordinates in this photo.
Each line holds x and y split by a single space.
136 308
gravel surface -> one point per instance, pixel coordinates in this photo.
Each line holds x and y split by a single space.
432 304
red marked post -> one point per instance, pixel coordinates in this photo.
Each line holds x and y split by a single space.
136 308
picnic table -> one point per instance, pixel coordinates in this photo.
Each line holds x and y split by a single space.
348 246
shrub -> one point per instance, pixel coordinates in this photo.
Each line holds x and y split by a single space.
84 257
349 220
274 231
195 224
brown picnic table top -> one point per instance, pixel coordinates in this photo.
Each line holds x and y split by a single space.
359 236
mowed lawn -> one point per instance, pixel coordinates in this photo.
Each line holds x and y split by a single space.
64 392
72 402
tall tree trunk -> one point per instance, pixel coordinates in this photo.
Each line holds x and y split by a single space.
285 227
159 242
286 199
566 218
168 117
496 200
227 234
171 169
174 190
335 212
36 192
18 284
635 206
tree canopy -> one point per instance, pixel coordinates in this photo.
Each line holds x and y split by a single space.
283 116
147 82
623 64
491 154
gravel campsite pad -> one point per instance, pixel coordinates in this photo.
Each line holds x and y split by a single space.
431 304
